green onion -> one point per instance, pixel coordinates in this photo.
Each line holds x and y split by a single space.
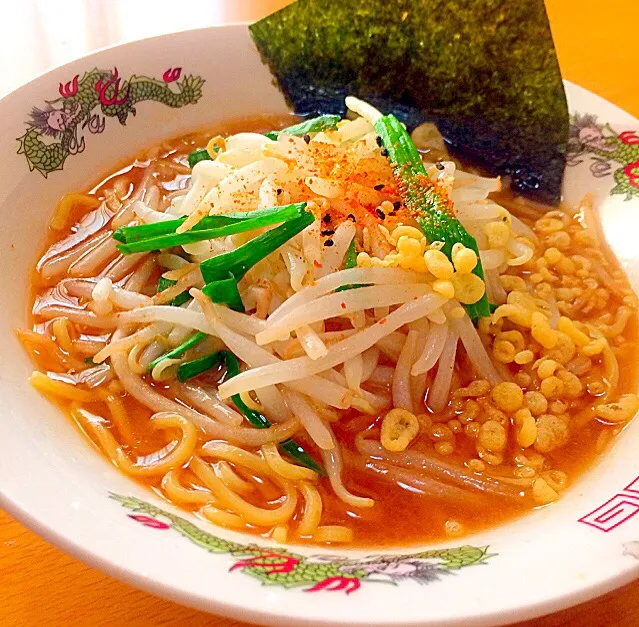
89 361
237 262
178 351
296 452
138 238
196 367
266 218
224 291
180 299
350 261
199 155
129 234
314 125
431 210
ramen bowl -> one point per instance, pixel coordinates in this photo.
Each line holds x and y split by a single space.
53 481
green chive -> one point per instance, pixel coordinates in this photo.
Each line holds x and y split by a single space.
314 125
237 262
178 351
161 235
201 155
224 291
180 299
196 367
428 206
350 261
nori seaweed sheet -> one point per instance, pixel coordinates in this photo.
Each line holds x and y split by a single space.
485 71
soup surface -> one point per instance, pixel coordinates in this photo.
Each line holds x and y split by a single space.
435 430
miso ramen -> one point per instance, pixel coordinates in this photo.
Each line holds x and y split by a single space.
333 333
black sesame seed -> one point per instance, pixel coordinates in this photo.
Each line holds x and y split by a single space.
328 232
350 216
380 214
328 242
279 190
439 165
327 218
379 187
307 138
384 152
397 205
378 139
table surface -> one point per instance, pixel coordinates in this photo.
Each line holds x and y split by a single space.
40 583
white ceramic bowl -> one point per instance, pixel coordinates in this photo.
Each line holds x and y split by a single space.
53 481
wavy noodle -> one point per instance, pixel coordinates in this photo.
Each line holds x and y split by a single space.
235 455
165 370
177 493
226 473
119 416
47 385
62 332
312 513
286 469
250 402
250 513
333 533
152 465
611 368
46 344
222 518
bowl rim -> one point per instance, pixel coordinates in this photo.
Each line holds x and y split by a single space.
240 612
88 555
